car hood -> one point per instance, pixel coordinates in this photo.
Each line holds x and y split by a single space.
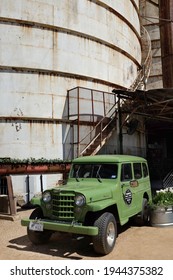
92 189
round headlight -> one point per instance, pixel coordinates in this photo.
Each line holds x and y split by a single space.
79 200
47 197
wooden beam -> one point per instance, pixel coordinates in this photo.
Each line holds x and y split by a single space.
11 196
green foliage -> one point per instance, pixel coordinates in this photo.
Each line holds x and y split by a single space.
32 161
163 198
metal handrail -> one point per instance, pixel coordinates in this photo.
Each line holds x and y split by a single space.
146 62
103 128
148 59
168 180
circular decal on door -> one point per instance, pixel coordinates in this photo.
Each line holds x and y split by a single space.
128 196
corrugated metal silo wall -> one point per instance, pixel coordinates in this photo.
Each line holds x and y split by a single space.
149 11
50 47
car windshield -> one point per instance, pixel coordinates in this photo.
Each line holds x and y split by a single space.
102 171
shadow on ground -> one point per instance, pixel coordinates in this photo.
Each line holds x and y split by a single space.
62 245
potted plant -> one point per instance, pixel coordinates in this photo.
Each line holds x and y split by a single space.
161 209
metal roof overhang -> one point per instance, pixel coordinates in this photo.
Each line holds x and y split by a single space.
154 104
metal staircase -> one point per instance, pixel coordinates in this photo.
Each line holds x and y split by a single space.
103 130
168 180
100 133
143 74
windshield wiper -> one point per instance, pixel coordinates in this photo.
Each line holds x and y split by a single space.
98 174
77 174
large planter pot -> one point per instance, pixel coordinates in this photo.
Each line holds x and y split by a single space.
161 216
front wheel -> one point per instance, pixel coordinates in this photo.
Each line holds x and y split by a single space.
38 237
104 242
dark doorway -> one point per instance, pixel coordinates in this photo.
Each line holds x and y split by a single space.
159 148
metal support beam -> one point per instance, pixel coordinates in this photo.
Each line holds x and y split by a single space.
120 134
166 36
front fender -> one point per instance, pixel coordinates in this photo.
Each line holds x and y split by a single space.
36 201
100 205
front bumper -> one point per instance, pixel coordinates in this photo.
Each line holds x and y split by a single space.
64 227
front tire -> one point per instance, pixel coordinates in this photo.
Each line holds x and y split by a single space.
104 242
37 237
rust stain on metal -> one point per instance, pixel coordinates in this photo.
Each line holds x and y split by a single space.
6 169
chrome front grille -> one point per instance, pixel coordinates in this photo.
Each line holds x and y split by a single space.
63 206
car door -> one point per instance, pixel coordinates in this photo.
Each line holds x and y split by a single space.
127 191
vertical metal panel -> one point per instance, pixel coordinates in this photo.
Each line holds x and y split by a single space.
149 11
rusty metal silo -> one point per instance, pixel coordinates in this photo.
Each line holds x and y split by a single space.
51 47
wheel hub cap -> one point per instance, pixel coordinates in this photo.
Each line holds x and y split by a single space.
110 234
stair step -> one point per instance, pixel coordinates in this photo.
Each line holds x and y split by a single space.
102 137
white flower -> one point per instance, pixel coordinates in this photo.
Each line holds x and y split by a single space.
170 189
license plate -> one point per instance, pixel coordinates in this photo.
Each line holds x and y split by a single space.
36 226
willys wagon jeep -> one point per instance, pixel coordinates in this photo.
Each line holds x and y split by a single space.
101 191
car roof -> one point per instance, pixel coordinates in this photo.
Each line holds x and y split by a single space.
109 158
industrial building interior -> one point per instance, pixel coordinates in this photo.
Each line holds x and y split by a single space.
155 106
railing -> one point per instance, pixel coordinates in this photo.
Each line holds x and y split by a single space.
168 180
86 110
101 127
144 72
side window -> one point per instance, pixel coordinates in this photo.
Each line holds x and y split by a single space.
145 169
137 170
126 172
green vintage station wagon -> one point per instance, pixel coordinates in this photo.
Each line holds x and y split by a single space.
101 191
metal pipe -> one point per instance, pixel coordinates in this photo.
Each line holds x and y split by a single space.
27 188
120 134
41 182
